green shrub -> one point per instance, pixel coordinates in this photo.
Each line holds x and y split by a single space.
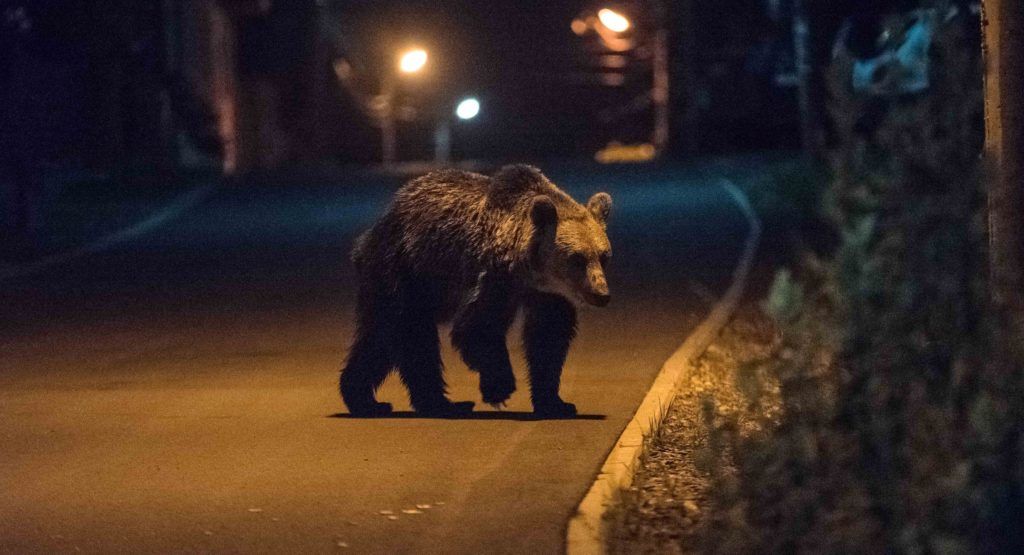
902 400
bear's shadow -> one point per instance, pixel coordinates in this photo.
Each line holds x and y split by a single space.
482 415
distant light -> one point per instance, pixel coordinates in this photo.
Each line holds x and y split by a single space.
613 79
618 153
342 69
613 20
579 26
413 60
613 61
468 108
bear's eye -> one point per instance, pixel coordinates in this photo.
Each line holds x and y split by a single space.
577 260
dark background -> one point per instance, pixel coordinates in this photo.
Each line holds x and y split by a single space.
252 84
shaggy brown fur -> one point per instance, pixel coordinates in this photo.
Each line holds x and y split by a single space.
471 249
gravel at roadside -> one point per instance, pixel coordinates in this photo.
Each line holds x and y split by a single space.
668 509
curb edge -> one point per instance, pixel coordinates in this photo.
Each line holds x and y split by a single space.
587 530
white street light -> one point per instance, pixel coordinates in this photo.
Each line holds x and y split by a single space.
468 108
465 110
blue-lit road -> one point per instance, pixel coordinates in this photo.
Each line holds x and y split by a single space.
178 393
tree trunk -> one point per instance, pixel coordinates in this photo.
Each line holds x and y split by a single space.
1003 29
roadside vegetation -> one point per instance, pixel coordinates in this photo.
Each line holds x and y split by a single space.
878 404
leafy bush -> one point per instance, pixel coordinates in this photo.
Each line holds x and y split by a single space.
902 401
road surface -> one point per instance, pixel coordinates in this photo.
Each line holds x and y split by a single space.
178 393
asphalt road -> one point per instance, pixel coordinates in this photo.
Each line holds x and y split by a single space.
178 394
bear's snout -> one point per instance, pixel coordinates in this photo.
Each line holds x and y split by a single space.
598 294
600 299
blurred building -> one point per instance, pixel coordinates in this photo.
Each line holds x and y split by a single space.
251 84
258 74
164 84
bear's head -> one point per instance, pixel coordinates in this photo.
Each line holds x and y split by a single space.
571 248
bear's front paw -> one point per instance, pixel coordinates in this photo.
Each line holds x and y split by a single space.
496 390
554 409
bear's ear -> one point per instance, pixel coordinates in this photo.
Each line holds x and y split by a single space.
542 212
600 205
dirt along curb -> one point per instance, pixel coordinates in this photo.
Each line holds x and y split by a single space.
587 530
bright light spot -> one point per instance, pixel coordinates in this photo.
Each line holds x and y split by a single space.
579 26
468 108
618 153
413 60
613 20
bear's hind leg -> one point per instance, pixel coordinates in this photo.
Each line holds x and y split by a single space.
548 329
368 365
421 369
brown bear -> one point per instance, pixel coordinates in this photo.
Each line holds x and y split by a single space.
461 247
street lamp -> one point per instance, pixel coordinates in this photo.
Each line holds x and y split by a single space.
467 109
613 20
412 61
409 62
614 30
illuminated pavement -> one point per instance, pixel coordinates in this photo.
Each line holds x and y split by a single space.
179 394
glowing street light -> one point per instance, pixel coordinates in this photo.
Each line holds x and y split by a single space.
409 62
611 28
412 61
613 20
609 25
468 108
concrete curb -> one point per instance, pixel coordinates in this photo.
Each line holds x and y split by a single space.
587 530
109 241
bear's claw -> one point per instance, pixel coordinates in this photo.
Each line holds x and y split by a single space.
496 390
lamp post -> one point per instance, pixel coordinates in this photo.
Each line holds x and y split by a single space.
660 81
467 109
410 62
613 28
